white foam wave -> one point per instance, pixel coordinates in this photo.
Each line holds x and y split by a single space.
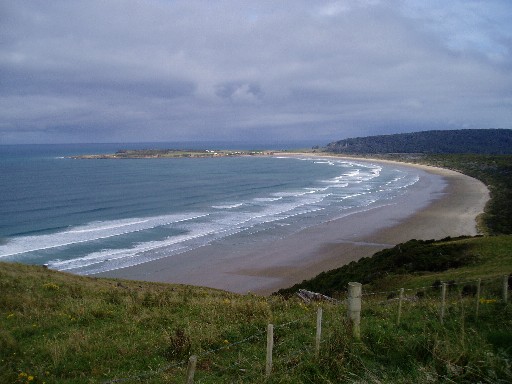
267 199
305 191
120 224
197 234
324 162
317 189
90 232
338 185
228 206
112 259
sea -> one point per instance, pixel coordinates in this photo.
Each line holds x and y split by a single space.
91 216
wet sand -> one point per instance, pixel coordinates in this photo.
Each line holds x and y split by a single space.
442 203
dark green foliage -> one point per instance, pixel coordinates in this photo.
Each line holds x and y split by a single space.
495 172
179 345
469 290
501 339
412 256
483 141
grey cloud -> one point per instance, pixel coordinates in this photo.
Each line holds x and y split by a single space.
239 91
159 70
19 82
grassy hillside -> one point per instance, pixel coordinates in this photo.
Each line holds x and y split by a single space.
60 328
418 262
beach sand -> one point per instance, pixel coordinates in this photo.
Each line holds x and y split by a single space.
442 203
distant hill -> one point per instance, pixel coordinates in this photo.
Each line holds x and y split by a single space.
475 141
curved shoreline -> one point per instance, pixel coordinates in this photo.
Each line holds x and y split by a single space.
443 203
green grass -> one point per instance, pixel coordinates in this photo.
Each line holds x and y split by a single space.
60 328
64 328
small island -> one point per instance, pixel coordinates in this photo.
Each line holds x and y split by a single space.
173 153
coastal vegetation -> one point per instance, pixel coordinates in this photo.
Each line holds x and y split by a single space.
417 261
475 141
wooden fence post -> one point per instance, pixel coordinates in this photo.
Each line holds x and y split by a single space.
354 308
443 301
191 370
478 290
400 299
505 289
318 331
270 346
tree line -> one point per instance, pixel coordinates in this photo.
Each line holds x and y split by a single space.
475 141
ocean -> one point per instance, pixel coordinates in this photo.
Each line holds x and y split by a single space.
92 216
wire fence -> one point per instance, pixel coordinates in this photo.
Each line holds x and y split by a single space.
297 342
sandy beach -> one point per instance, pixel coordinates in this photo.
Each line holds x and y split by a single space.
442 203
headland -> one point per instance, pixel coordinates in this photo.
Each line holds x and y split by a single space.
171 153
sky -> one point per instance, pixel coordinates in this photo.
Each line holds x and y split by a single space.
262 71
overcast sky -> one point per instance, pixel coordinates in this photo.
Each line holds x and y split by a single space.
171 70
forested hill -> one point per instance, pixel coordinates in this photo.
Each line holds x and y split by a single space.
476 141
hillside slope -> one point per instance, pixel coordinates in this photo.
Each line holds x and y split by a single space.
475 141
418 261
60 328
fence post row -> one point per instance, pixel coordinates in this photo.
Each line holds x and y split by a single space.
443 301
354 308
354 317
270 346
505 289
478 291
191 370
400 299
318 331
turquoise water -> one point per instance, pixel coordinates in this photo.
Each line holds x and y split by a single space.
90 216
